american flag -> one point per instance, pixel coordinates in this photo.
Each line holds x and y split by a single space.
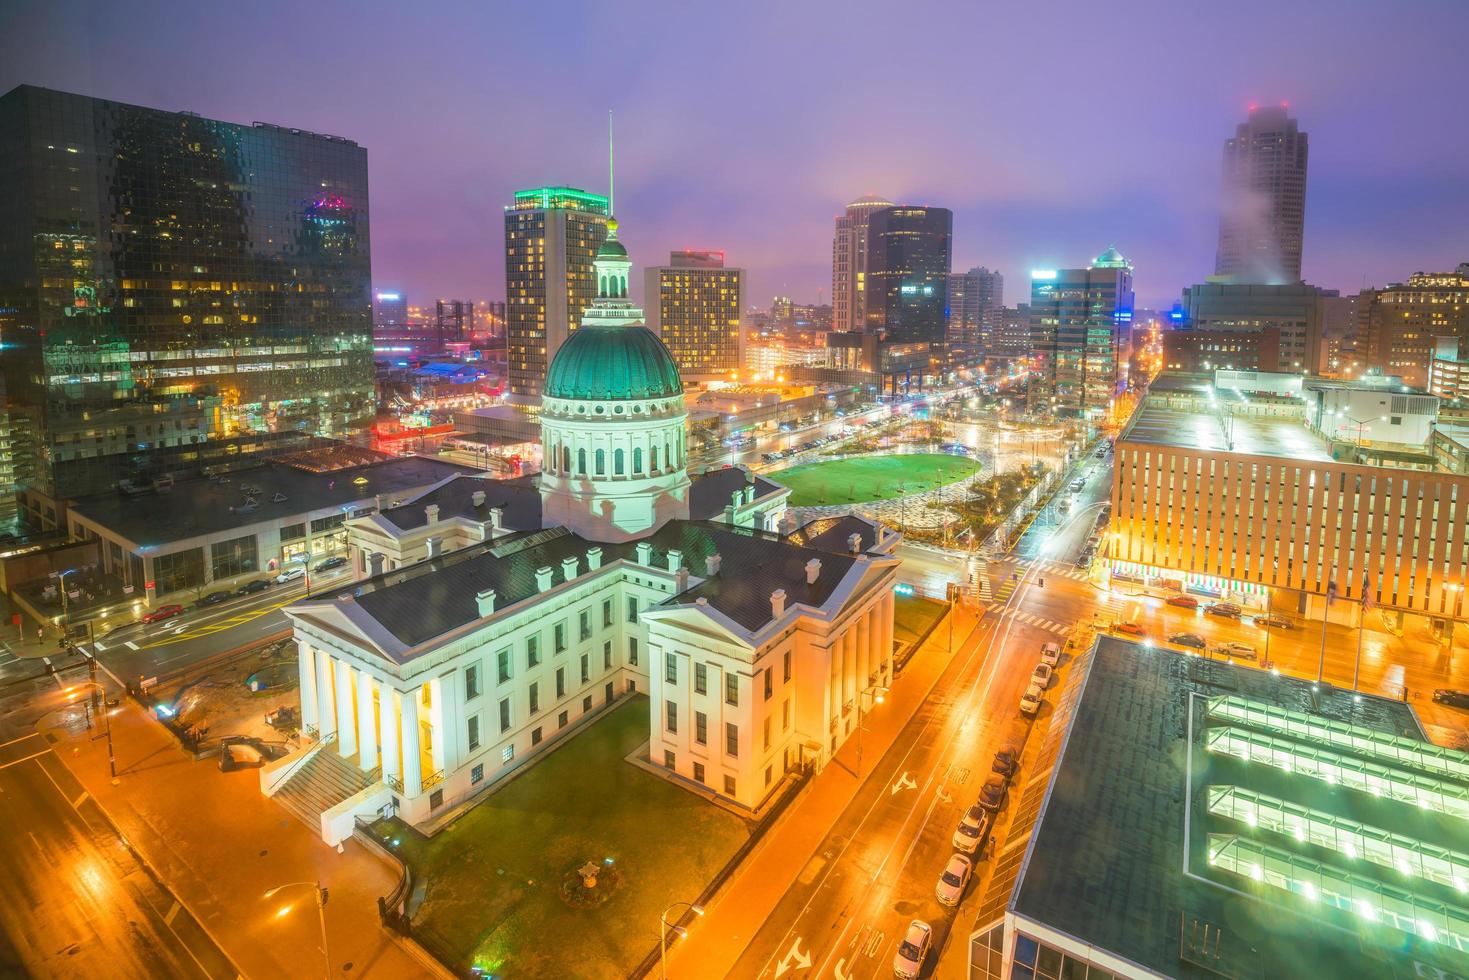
1366 592
1331 592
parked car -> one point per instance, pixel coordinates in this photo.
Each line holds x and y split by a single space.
1183 601
1237 650
969 835
1129 628
1226 609
1451 697
992 793
1041 675
950 888
336 561
213 598
908 961
290 574
1187 640
162 612
250 588
1273 622
1051 653
1030 701
1007 760
1078 485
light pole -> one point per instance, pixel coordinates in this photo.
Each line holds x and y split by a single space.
65 606
111 758
321 896
678 931
877 694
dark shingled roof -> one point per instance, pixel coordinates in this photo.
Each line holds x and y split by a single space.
831 534
519 499
433 597
1105 865
198 507
710 492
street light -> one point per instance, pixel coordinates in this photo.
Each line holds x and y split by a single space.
111 758
877 694
65 606
321 895
678 931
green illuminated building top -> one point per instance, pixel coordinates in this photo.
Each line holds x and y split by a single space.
566 198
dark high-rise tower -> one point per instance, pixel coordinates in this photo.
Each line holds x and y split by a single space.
1263 204
179 289
908 253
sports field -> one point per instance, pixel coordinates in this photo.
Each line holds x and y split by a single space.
867 478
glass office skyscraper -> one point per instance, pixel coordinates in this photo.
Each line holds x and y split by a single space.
174 290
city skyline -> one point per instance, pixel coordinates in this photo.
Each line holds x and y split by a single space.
1022 196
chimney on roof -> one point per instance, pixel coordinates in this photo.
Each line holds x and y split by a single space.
594 558
854 543
675 559
737 497
486 602
681 580
645 554
777 603
813 571
432 513
497 519
381 504
477 498
749 493
568 568
543 578
711 565
787 524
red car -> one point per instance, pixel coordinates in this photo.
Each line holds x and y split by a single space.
162 612
1131 629
1183 601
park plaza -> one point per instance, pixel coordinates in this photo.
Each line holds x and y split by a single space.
490 617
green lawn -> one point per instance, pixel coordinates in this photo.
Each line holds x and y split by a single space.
865 478
493 876
913 615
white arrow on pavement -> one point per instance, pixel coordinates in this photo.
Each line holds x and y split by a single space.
904 782
944 797
841 971
801 960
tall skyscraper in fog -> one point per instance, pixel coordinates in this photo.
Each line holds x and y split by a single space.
1263 202
174 290
551 237
975 297
693 303
849 263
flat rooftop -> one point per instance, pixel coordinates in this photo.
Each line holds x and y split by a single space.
1165 423
1207 820
193 508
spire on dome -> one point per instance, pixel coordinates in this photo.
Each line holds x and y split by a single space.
611 262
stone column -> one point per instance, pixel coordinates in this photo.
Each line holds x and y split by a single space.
412 770
849 666
346 721
885 639
326 705
388 727
306 668
834 680
436 723
864 652
366 724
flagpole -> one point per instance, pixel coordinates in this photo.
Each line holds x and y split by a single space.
1361 628
1325 615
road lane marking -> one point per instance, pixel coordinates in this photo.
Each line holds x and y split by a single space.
904 782
130 645
28 758
80 800
21 739
97 646
172 913
794 959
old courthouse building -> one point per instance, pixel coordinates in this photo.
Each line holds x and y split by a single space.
489 617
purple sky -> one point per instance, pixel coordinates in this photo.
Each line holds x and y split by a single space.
746 127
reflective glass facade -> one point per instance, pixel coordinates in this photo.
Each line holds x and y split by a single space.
177 290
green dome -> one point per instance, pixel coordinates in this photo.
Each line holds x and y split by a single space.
612 363
1110 259
612 248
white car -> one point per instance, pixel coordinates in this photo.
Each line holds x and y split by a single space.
1041 676
951 884
1051 653
970 832
1030 701
290 574
908 961
1238 650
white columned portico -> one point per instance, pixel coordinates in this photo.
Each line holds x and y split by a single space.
306 668
436 696
412 769
326 706
388 723
346 695
864 654
366 723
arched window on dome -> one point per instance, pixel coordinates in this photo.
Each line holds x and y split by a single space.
566 460
602 286
619 458
581 462
637 460
653 461
601 462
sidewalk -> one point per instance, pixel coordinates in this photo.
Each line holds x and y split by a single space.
219 845
715 943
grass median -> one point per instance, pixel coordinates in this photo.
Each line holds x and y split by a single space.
863 479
